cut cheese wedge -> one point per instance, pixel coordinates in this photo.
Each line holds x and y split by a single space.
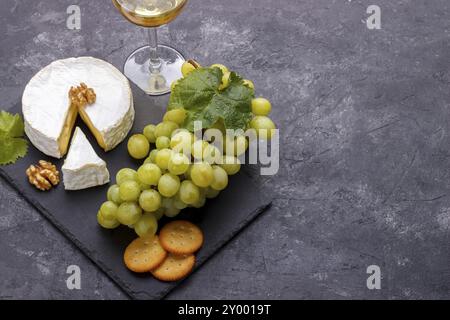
49 118
83 168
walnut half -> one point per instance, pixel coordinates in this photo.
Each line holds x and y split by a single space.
43 176
82 95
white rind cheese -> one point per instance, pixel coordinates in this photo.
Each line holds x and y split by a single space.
46 107
83 168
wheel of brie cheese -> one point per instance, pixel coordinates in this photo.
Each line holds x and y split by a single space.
83 168
50 117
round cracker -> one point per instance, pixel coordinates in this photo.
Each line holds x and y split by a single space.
144 254
181 237
174 267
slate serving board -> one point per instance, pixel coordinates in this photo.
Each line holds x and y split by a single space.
74 212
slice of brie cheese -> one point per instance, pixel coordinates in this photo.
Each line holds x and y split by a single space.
49 118
83 168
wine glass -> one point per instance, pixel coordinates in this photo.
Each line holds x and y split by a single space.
153 67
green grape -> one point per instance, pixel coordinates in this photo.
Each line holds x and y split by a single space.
201 200
261 107
176 115
129 213
166 202
225 81
182 142
221 67
152 155
168 185
178 164
162 142
158 213
149 133
148 160
220 181
171 212
212 154
211 193
149 173
138 146
150 200
178 203
231 165
169 207
187 67
200 203
202 174
129 190
147 225
189 192
108 210
198 149
165 129
263 125
162 158
113 194
174 132
126 174
107 223
249 84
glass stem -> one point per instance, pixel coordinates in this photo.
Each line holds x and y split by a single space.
155 61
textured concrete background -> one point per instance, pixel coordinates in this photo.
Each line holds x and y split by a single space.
365 153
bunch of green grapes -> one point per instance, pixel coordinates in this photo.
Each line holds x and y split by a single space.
179 171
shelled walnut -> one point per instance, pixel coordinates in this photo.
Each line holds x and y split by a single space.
82 95
43 176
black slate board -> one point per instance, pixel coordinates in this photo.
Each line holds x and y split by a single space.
74 212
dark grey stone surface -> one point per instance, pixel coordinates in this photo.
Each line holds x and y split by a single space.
365 161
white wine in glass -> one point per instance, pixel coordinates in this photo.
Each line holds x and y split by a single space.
154 67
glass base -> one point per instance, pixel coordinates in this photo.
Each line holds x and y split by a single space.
137 69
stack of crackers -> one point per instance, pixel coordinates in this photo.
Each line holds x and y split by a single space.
169 256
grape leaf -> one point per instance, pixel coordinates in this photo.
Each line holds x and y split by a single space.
198 93
12 146
11 125
12 149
